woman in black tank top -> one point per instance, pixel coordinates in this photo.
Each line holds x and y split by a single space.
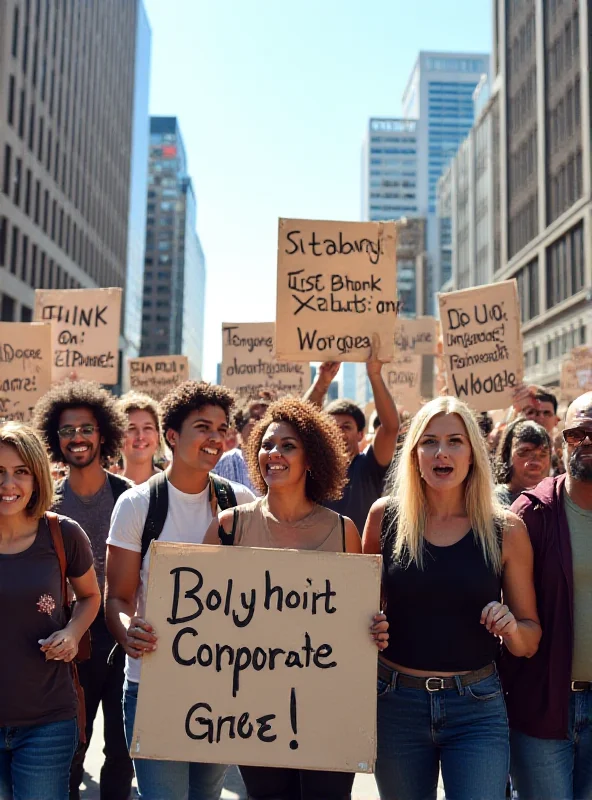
457 586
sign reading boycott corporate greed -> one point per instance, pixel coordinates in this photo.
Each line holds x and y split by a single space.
337 286
263 655
483 344
25 368
157 375
248 363
86 326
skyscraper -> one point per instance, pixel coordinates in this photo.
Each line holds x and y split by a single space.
174 277
66 118
389 170
439 95
136 239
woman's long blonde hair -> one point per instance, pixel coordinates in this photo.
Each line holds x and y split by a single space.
485 514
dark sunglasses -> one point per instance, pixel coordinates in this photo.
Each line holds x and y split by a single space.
577 435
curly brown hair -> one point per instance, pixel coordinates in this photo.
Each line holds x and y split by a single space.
80 394
322 442
191 396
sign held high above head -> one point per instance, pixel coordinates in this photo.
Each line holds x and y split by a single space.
156 376
25 368
336 287
482 342
418 336
258 653
249 364
86 325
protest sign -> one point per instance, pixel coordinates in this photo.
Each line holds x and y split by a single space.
249 364
336 287
264 658
25 368
483 344
576 374
86 325
157 375
418 336
402 377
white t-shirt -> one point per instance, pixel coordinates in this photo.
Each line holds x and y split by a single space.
188 518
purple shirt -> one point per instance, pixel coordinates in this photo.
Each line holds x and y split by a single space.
538 689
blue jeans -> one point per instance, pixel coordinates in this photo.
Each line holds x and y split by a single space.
35 761
170 780
463 730
556 769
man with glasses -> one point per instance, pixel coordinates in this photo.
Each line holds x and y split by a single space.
549 697
83 428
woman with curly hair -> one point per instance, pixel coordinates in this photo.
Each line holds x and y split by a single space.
38 551
296 461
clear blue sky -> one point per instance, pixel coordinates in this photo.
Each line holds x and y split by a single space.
273 97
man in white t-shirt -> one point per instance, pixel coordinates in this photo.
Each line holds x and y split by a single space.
195 420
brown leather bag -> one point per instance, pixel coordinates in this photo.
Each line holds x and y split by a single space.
84 646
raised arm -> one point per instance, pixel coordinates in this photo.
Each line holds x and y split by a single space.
326 373
385 440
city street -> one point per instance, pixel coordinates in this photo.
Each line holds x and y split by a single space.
364 787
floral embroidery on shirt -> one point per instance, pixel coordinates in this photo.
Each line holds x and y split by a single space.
46 604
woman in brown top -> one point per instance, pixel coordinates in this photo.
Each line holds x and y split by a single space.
38 704
296 460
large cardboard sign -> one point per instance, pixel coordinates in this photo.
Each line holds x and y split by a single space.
336 287
25 368
264 658
483 344
418 336
576 374
403 379
157 375
249 363
86 325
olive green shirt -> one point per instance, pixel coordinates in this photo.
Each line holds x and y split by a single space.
580 529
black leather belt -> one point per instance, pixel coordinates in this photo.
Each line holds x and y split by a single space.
435 684
581 686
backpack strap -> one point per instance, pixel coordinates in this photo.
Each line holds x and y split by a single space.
228 538
158 509
222 494
57 539
118 485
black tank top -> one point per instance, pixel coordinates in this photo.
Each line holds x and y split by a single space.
434 613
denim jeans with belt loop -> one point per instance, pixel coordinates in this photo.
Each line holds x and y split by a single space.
462 731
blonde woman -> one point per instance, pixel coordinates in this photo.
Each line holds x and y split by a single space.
38 703
451 553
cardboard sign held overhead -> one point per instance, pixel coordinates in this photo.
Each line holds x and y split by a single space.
403 379
25 368
264 658
417 336
157 375
86 325
336 287
249 364
576 374
483 344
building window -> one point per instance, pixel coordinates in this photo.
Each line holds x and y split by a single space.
11 93
21 124
14 249
3 235
28 193
33 276
24 255
26 314
7 309
7 167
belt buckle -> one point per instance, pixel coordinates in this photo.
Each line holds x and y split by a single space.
437 688
573 686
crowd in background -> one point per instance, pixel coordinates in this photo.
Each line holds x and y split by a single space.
484 637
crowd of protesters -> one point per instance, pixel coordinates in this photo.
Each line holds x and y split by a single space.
484 638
